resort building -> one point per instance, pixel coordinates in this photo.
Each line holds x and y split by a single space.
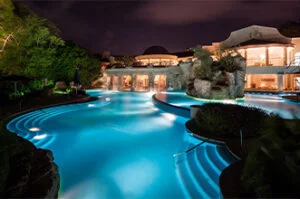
272 60
155 70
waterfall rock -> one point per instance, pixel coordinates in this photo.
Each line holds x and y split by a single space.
202 88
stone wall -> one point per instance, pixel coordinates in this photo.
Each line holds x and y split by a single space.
199 79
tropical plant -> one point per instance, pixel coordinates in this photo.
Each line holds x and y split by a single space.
126 60
272 168
31 46
68 57
290 29
229 120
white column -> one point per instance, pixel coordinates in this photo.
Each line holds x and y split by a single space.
284 56
267 56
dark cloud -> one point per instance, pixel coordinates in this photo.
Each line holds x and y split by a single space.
129 27
107 39
187 12
178 13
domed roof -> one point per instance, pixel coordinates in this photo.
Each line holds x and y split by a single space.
156 50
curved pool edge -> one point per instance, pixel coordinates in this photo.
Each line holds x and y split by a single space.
170 108
7 119
185 112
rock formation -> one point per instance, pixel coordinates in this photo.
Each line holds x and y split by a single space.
26 172
223 79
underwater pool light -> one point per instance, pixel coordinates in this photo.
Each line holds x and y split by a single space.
149 103
107 99
40 137
155 109
34 129
91 105
169 116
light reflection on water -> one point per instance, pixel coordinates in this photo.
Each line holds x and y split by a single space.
123 149
121 146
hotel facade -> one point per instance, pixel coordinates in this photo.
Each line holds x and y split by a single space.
272 60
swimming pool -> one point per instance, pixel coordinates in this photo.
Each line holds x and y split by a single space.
121 146
270 103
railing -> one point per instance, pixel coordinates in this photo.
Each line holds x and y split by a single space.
189 150
295 62
276 61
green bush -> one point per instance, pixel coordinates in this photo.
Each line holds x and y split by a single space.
229 64
36 85
275 161
228 120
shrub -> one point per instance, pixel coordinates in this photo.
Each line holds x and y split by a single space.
229 64
275 161
228 120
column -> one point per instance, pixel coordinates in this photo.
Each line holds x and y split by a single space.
151 81
267 56
133 83
284 56
279 82
248 80
119 82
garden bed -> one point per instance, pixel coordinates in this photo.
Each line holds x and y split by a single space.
269 150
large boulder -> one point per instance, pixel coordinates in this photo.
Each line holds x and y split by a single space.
186 68
220 83
240 77
202 88
26 172
231 86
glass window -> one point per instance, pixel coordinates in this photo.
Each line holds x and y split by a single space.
160 82
142 83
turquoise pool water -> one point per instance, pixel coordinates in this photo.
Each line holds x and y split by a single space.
121 146
270 103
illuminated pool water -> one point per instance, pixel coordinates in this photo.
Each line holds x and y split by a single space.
270 103
121 146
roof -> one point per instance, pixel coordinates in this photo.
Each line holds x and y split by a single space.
257 42
255 33
156 50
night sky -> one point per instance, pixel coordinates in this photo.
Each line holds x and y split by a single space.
129 27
